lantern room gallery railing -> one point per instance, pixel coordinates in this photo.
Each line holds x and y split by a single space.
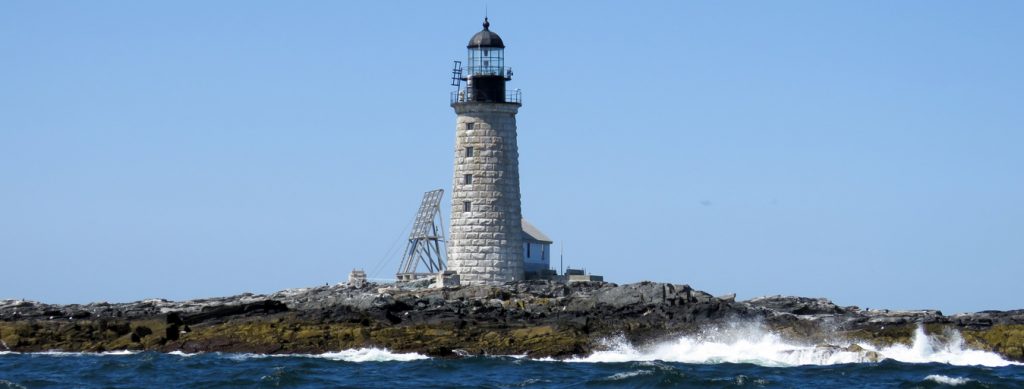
466 95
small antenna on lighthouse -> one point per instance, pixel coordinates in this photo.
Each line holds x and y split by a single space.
561 257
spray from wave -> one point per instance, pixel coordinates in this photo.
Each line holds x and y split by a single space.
751 343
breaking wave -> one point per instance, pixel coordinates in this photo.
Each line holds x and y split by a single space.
927 349
753 344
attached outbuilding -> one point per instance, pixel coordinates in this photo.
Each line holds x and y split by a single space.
536 252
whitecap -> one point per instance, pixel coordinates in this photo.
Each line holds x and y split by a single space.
946 380
371 354
182 353
533 381
9 384
119 352
628 374
243 356
57 353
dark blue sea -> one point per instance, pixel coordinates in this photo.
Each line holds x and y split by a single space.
741 355
216 370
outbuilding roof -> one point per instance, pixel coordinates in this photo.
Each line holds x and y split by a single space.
532 233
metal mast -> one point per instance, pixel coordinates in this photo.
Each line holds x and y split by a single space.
426 241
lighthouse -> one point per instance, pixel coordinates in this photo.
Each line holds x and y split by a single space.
486 243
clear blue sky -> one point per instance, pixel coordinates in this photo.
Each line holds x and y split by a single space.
871 152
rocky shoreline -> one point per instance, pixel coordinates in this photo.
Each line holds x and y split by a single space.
534 318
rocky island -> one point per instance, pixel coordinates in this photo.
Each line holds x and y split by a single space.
533 318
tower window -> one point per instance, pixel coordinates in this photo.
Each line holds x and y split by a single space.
467 179
469 126
469 151
465 206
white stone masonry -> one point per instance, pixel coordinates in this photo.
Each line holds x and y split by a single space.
486 244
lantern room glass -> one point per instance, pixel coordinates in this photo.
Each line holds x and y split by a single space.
486 61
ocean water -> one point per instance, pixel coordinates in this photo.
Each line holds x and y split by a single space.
734 357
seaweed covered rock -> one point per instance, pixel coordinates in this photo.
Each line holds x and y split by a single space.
536 318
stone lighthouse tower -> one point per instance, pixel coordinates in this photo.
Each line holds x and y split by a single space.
486 245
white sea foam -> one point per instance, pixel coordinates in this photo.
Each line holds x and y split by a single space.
533 381
9 384
182 353
751 343
370 355
242 356
628 374
54 353
946 380
119 352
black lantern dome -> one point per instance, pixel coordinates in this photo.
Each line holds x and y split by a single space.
486 38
